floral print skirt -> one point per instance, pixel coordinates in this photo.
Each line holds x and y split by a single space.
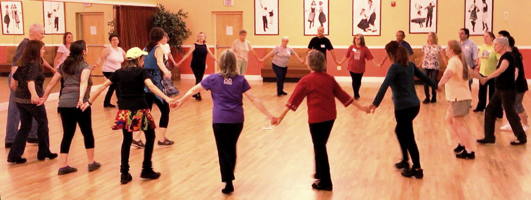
139 120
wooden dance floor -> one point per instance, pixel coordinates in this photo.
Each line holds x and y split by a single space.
278 163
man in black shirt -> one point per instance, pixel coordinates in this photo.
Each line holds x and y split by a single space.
504 95
322 44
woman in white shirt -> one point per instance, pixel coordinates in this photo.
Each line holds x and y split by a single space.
63 51
112 58
458 94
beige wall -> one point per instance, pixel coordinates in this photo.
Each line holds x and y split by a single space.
450 18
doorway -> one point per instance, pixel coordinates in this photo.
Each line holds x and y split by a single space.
91 29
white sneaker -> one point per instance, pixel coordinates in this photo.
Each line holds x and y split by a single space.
506 127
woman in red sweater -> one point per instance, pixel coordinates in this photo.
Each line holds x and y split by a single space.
320 89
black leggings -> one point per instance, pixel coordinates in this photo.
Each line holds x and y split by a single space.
226 142
505 99
70 118
163 106
28 112
148 149
111 89
405 134
356 83
320 133
199 72
432 74
482 94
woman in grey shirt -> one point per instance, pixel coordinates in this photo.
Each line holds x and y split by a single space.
281 55
75 91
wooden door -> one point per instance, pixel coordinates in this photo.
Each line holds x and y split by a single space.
228 25
90 27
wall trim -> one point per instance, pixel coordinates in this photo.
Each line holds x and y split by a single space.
118 3
14 45
337 47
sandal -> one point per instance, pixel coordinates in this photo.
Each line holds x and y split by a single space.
138 144
165 142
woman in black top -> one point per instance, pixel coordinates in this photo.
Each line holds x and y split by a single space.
134 114
30 78
504 95
199 52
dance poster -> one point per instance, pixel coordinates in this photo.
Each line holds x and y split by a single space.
316 15
423 16
54 17
266 17
12 20
366 17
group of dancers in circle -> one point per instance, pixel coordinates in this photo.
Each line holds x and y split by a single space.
138 77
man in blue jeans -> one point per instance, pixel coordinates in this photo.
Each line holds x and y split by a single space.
13 117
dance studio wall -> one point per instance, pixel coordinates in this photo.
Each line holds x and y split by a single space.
507 15
32 11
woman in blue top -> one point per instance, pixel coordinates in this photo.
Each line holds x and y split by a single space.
400 78
156 71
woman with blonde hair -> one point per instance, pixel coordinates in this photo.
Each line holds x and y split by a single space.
431 63
458 95
199 54
227 89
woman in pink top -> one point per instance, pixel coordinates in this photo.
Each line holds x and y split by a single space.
63 51
357 55
112 58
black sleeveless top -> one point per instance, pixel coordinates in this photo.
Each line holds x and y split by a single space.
199 55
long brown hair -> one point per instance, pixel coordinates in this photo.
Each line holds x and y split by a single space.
32 53
397 53
155 35
71 63
455 47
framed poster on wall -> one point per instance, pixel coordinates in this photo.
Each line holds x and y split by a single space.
266 17
316 14
12 19
423 16
479 16
366 17
54 17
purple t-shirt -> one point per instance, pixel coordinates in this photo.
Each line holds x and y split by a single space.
227 95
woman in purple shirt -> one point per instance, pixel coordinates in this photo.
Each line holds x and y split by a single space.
228 89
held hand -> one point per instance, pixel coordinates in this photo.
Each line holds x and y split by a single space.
84 106
92 67
365 109
42 100
482 81
167 75
275 121
35 100
372 108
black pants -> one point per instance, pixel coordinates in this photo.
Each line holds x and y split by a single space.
199 72
280 72
356 83
27 113
506 99
320 133
163 106
405 134
126 147
111 89
482 94
70 118
432 74
226 142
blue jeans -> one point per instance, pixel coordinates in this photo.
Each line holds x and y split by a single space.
13 120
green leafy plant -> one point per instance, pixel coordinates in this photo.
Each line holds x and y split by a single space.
173 24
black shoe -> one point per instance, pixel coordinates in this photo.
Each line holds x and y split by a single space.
125 178
426 101
465 155
518 142
93 166
284 93
402 165
17 160
138 144
416 172
357 97
479 109
32 140
109 106
149 174
486 141
229 188
459 148
9 145
199 97
50 156
165 142
433 100
66 170
320 185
